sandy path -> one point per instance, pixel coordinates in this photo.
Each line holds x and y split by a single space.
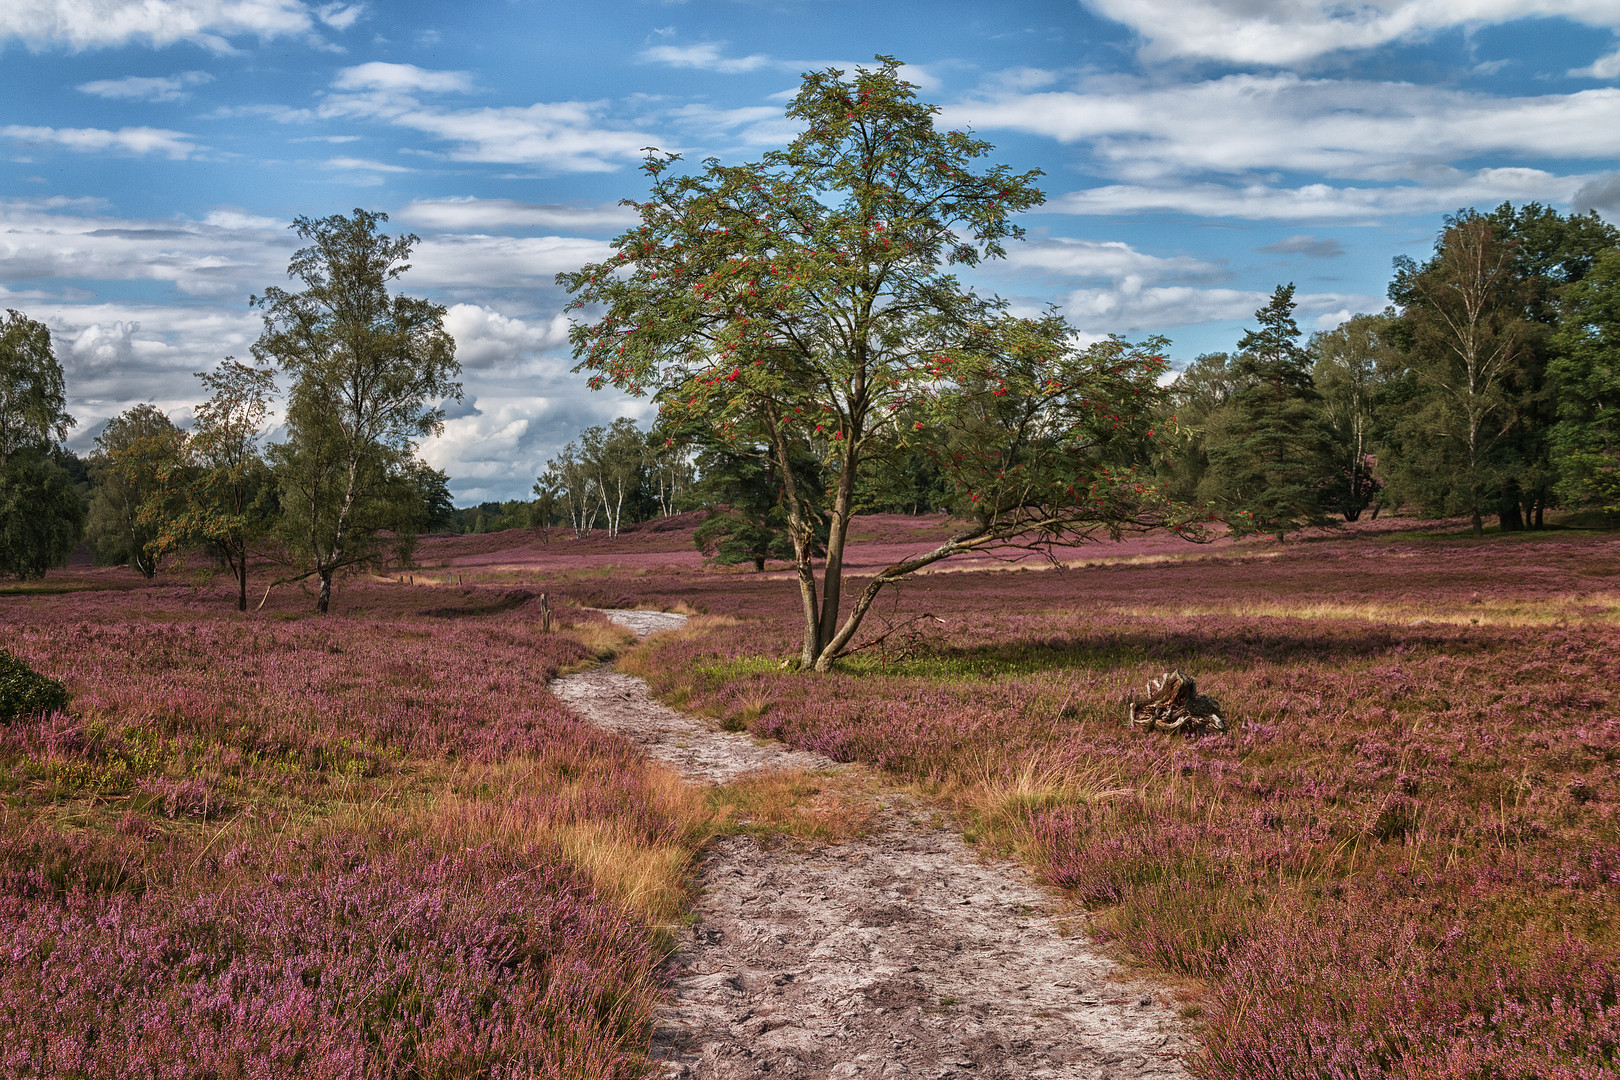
903 953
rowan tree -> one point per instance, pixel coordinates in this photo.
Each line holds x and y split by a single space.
370 369
807 297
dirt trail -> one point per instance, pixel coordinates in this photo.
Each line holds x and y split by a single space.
903 953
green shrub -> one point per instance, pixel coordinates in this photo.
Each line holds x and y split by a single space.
25 692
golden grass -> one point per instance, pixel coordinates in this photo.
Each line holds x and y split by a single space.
999 799
1552 611
816 807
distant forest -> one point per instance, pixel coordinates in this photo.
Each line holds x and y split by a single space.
1489 388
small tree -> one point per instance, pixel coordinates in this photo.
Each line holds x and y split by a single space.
224 496
805 297
1269 453
41 515
369 370
748 519
132 471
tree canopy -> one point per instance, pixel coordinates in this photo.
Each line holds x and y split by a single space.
369 369
806 298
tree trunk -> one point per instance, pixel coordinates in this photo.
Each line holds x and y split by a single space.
759 564
241 584
325 600
1479 524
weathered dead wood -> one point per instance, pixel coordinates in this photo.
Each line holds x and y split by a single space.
1173 703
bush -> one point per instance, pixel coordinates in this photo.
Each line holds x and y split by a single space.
25 692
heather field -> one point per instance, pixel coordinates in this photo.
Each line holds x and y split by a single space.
374 844
371 845
1402 861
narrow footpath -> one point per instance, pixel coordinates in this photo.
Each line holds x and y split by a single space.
900 954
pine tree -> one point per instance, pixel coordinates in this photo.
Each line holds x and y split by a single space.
1269 451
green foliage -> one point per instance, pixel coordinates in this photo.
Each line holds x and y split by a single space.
1269 451
1351 365
138 455
804 302
748 519
369 369
1586 377
1464 336
1195 402
25 692
41 516
32 401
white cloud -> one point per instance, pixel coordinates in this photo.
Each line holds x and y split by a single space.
568 136
226 254
484 263
93 24
1606 66
471 214
140 141
340 16
1320 202
705 57
137 88
402 79
486 339
1282 32
1103 259
365 165
1340 128
1131 307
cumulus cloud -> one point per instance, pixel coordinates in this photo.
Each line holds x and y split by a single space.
94 24
471 263
138 88
1309 246
485 338
1606 66
1280 32
469 214
1334 127
1600 193
140 141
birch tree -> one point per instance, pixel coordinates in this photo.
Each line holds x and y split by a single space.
370 369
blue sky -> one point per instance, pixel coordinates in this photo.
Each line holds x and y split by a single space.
1197 153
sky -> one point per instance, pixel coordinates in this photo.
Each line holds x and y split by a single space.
1197 153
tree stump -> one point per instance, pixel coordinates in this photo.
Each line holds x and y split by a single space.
1173 703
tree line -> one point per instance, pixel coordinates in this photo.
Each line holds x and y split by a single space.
1488 388
368 371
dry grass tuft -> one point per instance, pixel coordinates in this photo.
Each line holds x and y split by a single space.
814 807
